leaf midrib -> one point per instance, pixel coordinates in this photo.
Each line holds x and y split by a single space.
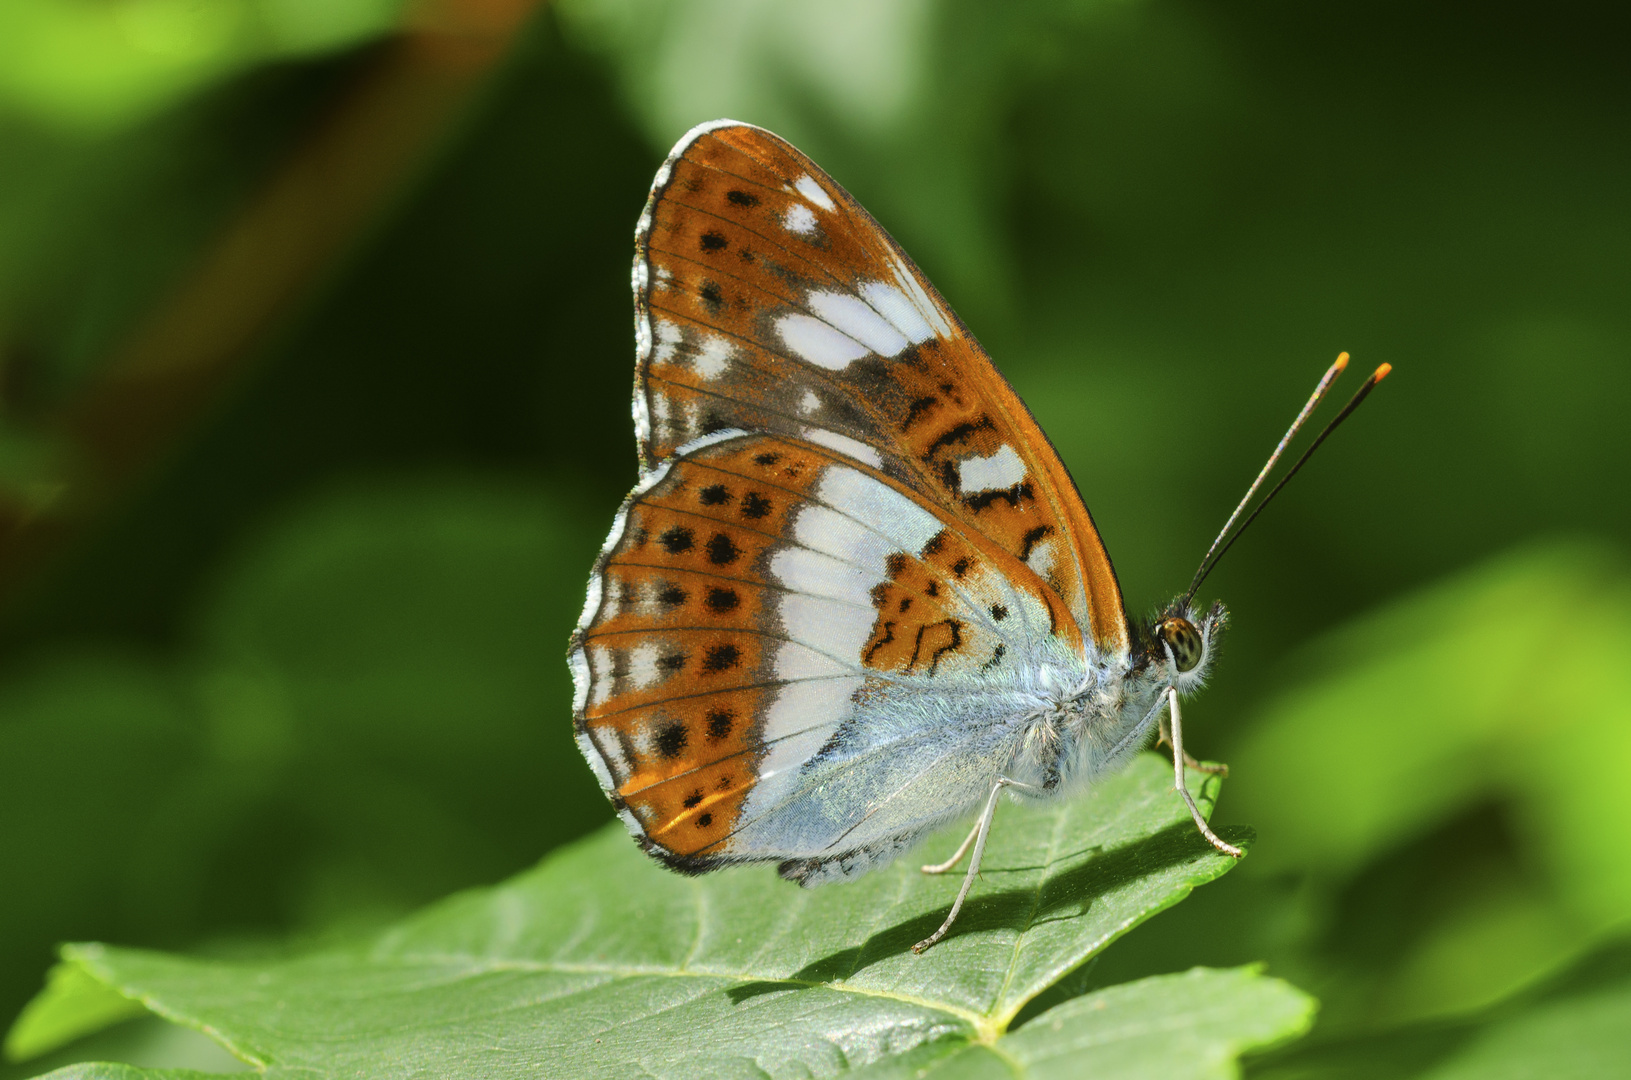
475 966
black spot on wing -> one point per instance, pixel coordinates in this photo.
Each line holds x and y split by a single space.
917 410
1013 496
671 740
713 296
677 540
721 658
958 433
722 550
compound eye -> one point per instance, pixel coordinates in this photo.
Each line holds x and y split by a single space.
1184 640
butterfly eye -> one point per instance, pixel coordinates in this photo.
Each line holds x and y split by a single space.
1185 641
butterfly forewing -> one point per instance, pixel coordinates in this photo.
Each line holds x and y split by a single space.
768 614
768 300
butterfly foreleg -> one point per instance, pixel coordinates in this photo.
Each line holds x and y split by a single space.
956 856
1164 738
982 829
1179 758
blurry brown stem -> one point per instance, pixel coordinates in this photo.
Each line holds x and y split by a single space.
315 207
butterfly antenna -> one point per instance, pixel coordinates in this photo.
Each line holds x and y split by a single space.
1314 400
1215 554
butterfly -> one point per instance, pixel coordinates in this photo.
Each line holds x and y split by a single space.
855 593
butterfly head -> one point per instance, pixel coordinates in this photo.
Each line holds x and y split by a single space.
1184 640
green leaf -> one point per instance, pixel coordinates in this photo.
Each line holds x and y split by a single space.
92 67
1437 710
1584 1038
1576 1024
603 964
1191 1025
73 1003
104 1070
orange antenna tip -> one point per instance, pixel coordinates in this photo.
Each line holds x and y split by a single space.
1342 361
1381 373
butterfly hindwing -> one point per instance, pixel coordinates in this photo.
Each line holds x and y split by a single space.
768 300
769 616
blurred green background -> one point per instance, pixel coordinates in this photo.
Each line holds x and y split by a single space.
314 354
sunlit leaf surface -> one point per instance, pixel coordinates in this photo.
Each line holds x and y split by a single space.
602 964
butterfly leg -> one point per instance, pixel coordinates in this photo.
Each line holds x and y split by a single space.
982 829
956 856
1165 739
1178 760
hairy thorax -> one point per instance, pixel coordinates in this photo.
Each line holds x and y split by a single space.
1083 721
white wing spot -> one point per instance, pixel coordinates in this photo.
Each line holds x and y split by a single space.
920 300
801 720
829 625
1000 471
855 319
668 336
818 343
894 306
863 498
600 663
713 358
833 532
803 570
1041 559
615 759
810 402
795 662
845 445
643 665
799 219
811 190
